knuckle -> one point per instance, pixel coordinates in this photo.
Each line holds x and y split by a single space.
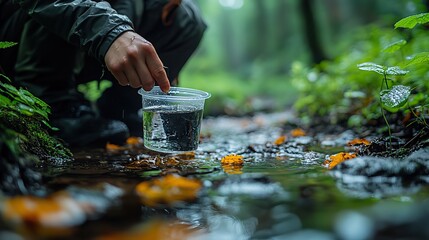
149 49
119 65
148 44
114 67
133 53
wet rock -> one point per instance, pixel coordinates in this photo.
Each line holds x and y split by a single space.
411 167
377 176
17 174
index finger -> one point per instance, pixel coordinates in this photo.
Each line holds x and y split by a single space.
156 69
161 78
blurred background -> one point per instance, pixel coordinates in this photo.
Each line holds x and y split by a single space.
248 53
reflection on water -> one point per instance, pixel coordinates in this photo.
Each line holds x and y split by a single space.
282 191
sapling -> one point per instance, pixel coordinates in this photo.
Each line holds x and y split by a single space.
392 98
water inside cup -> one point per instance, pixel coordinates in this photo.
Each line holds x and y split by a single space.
172 121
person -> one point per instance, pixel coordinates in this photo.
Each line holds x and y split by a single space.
64 43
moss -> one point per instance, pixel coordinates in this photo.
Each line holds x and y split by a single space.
24 140
36 136
27 115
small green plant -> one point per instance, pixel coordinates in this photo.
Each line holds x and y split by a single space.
391 98
341 92
94 89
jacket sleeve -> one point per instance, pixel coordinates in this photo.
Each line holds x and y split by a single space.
88 24
133 9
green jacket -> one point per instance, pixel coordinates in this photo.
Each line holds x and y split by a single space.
91 25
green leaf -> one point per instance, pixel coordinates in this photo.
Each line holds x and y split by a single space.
4 101
393 47
25 98
5 77
7 44
396 97
372 67
419 58
412 21
397 71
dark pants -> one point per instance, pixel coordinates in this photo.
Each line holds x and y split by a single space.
51 68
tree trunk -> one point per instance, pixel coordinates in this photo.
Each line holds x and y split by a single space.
310 31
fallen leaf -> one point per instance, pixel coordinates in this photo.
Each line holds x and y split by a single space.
59 210
156 230
280 140
133 141
113 147
232 169
338 158
297 132
358 141
232 159
169 189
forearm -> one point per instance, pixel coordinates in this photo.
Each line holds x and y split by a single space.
90 25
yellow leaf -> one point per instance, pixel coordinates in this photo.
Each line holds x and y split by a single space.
358 141
297 132
168 190
156 230
232 169
280 140
113 147
232 159
134 141
53 216
338 158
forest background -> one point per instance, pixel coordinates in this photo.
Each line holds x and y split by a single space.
254 53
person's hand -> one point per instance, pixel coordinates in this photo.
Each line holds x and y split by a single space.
133 61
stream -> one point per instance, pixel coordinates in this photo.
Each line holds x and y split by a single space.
282 190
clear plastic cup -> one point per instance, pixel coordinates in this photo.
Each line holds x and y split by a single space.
172 121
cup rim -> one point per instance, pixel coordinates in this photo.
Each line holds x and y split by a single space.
185 93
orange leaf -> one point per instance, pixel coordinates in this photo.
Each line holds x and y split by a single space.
232 159
280 140
232 169
338 158
57 211
297 132
358 141
113 147
168 190
134 141
156 230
